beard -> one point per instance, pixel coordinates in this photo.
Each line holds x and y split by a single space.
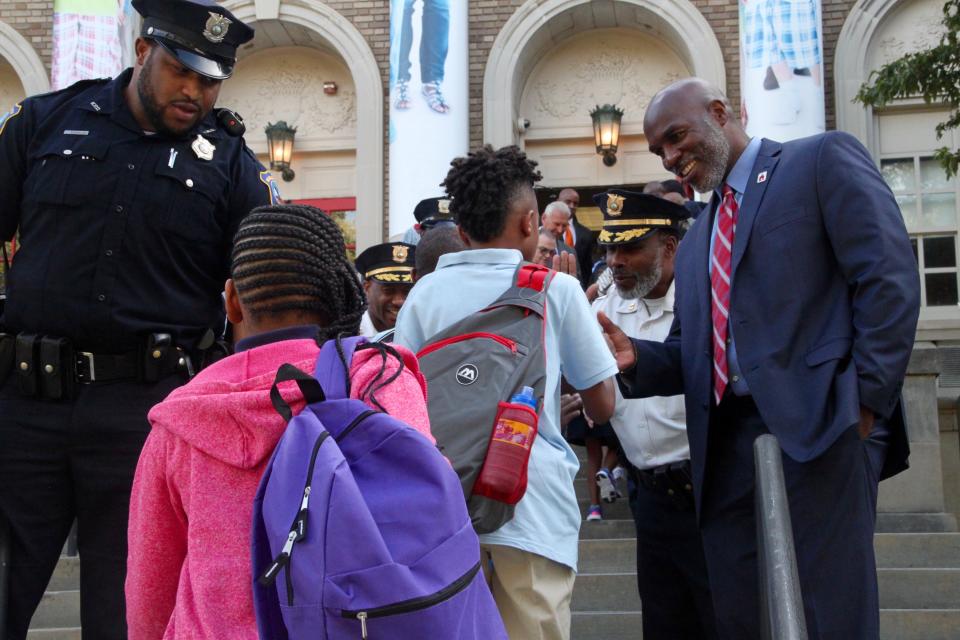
645 282
714 153
151 108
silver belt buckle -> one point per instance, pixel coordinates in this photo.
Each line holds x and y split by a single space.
89 358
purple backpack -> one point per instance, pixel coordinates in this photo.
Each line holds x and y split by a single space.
360 528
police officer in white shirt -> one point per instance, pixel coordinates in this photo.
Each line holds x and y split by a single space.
640 235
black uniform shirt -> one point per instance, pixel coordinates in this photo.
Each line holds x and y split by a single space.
122 233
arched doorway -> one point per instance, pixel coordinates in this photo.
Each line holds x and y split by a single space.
539 26
24 63
314 25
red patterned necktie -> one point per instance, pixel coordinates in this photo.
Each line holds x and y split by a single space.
720 286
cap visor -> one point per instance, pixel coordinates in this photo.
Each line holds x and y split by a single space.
195 62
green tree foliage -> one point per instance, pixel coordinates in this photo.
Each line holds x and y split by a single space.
933 74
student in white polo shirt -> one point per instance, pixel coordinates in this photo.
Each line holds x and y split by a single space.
534 556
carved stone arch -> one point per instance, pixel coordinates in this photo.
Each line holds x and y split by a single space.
356 53
679 20
24 59
850 67
864 44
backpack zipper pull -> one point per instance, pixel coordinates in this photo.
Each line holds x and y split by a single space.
280 561
300 526
362 617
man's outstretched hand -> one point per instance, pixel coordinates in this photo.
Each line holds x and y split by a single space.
620 345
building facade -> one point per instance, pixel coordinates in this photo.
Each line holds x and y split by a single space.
535 69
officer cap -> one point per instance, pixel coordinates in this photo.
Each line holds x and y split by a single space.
201 34
629 216
390 263
432 212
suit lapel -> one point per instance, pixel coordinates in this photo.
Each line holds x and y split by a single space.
760 177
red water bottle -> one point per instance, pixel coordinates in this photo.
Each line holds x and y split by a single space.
504 473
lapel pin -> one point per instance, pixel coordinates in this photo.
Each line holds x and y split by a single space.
761 177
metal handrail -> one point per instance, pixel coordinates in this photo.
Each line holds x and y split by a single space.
781 602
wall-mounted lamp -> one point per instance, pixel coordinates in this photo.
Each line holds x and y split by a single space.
330 88
280 145
606 131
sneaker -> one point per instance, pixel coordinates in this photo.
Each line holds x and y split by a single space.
608 492
619 473
594 513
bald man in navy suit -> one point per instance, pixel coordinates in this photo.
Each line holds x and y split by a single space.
796 311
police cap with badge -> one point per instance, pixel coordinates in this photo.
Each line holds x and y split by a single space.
201 34
387 263
629 216
433 212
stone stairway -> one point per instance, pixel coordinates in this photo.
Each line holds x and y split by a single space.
918 560
918 566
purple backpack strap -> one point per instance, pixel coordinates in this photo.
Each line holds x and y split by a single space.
332 372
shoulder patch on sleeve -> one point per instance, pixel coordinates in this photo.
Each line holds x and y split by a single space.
267 178
13 113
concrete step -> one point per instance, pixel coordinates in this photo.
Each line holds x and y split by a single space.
57 610
894 550
610 591
66 577
895 624
919 588
68 633
919 550
919 624
916 523
608 528
899 589
606 625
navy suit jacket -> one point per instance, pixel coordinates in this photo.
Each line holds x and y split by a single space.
824 303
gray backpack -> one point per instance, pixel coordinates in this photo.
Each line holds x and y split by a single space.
474 367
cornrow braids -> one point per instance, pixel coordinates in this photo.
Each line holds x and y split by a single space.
292 258
482 186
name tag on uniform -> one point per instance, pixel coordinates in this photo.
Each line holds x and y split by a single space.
75 132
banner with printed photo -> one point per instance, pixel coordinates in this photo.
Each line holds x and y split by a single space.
86 40
781 68
429 109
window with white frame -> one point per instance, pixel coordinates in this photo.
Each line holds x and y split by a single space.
930 204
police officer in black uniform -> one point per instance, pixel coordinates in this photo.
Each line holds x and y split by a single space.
126 194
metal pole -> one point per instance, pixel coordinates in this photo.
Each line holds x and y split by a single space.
781 615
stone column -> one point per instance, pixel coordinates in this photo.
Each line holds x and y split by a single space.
913 500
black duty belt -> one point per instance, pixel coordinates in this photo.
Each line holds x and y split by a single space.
672 480
51 367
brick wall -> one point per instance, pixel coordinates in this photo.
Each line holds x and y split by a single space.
34 21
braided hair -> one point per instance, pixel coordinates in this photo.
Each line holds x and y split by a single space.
292 259
482 186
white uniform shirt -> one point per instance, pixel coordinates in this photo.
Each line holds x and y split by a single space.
652 431
367 330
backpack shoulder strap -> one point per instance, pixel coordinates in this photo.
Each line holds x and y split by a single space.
333 366
309 386
529 288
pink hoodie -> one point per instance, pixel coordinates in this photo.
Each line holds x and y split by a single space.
189 571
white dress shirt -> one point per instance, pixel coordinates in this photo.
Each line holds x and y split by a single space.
652 431
367 330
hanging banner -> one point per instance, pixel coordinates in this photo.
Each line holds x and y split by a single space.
429 109
86 40
781 68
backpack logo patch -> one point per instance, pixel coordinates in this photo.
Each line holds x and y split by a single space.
467 374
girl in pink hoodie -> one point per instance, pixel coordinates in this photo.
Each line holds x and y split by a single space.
292 287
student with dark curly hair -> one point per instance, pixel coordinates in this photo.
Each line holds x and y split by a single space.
531 560
292 287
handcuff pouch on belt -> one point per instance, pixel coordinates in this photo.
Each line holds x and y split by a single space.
673 481
51 368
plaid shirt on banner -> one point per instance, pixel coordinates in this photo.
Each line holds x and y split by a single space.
84 47
775 31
